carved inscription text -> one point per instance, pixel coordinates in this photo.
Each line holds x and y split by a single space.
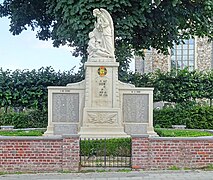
136 108
102 88
65 107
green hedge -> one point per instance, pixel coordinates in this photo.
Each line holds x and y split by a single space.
112 147
194 116
30 119
29 88
178 86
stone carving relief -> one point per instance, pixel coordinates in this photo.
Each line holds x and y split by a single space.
101 39
102 118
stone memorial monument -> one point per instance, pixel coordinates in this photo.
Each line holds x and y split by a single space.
100 105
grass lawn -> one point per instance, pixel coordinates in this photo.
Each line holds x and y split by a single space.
22 133
181 133
161 133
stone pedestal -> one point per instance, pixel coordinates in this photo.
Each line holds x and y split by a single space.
102 113
100 106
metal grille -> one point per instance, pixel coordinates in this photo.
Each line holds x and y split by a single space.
105 152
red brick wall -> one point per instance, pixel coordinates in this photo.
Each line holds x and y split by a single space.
71 156
38 154
48 154
163 153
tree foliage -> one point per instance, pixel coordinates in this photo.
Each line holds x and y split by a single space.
138 24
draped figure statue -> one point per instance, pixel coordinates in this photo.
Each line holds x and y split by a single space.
101 43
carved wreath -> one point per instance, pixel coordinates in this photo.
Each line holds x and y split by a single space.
102 118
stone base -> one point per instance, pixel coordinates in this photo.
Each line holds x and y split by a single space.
49 131
102 123
60 129
102 132
151 132
139 129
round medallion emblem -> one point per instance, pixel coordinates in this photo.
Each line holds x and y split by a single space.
102 71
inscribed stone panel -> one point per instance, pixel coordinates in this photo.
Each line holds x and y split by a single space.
65 107
136 108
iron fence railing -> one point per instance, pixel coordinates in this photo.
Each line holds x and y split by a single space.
105 152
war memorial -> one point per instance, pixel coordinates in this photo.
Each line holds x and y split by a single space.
100 105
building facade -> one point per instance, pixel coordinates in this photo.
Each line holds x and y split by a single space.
194 53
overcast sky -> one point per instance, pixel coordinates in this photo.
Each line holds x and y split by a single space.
25 51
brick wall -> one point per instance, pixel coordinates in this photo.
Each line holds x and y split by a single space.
39 154
163 153
52 154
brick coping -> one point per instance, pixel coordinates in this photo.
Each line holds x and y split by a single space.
171 138
54 137
60 137
200 138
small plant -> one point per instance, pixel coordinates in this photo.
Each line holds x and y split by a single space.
209 167
186 168
174 168
102 170
124 170
87 171
2 173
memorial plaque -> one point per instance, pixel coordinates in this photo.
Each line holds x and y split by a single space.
65 107
136 108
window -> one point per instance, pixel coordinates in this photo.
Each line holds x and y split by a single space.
183 55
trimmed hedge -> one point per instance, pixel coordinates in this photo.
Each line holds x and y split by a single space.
112 147
194 117
24 88
29 119
177 86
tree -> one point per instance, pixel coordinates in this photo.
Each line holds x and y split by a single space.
138 24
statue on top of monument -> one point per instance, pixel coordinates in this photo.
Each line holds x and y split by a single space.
101 43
